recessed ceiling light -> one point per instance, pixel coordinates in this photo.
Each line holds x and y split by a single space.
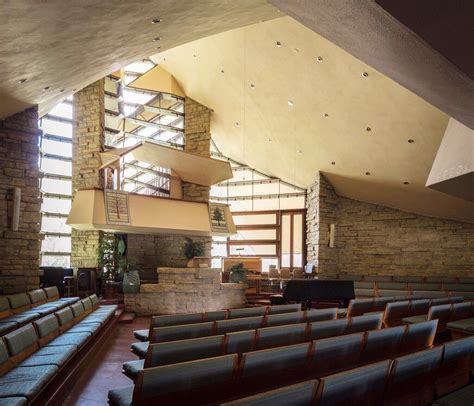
296 50
269 140
252 86
325 115
278 44
222 70
237 123
333 163
22 80
365 74
62 90
367 173
156 21
410 141
299 151
291 103
368 129
156 39
45 88
194 56
319 58
406 183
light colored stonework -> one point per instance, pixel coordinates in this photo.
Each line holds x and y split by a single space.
185 290
377 240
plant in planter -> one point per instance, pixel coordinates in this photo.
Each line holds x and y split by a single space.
238 273
193 249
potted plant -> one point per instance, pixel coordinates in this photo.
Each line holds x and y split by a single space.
193 249
238 273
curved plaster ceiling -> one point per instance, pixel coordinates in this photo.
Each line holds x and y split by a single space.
60 46
289 103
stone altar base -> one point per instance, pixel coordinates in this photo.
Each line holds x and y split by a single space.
185 290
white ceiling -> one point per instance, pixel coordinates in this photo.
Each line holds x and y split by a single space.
60 46
294 142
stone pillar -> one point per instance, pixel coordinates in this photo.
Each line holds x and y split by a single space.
197 134
87 142
20 250
322 210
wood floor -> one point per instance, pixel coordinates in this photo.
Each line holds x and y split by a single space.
103 372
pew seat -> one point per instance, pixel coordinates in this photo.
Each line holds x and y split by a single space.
14 401
461 328
26 381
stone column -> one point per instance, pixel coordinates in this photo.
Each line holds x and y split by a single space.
87 142
20 250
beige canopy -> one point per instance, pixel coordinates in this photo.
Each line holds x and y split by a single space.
189 167
118 211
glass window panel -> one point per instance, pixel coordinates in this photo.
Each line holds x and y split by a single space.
241 190
55 224
240 205
111 103
265 189
244 174
266 262
56 147
216 263
298 240
255 235
56 260
252 219
292 202
285 260
110 85
285 240
62 110
56 244
114 122
56 128
219 250
252 250
56 167
131 96
56 205
266 204
56 186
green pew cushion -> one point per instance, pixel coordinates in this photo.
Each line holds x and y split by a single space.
43 358
37 295
51 291
68 339
140 349
4 304
141 335
46 325
84 328
133 368
415 319
3 353
466 325
26 381
15 401
20 339
462 397
64 316
121 396
18 300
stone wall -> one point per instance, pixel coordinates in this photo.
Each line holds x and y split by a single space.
87 142
372 239
20 250
185 290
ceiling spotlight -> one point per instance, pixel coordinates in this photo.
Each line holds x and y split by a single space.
333 163
365 74
237 123
296 50
222 70
156 21
410 141
278 44
406 183
194 56
45 88
368 129
367 173
319 58
291 103
269 140
22 80
299 151
156 39
62 90
325 115
252 86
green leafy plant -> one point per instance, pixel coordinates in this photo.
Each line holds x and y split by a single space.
193 248
111 260
238 273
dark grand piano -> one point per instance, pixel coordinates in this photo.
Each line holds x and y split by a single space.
316 290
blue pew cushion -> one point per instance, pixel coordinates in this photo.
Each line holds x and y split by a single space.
121 396
141 335
84 328
21 339
68 339
14 401
140 349
43 358
26 381
133 368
